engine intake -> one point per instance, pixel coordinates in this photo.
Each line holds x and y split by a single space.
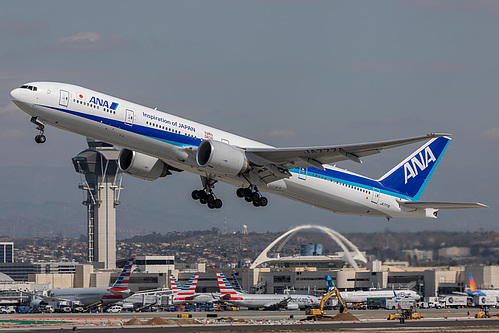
221 158
142 166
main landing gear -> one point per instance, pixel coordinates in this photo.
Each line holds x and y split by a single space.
206 195
40 138
252 196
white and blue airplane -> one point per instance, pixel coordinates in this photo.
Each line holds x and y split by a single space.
156 143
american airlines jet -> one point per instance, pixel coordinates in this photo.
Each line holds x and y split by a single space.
156 143
265 301
94 295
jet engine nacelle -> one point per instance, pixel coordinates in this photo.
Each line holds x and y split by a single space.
142 166
293 306
221 158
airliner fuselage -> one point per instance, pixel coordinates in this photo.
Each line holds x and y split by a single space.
156 143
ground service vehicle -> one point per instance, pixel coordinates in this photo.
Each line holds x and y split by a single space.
405 314
7 310
318 313
485 314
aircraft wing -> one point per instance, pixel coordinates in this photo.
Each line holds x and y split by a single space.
278 305
274 163
442 205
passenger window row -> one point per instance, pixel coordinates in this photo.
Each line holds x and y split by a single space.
168 129
94 106
340 183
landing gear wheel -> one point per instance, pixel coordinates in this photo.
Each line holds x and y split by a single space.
248 199
256 204
40 138
263 201
240 192
217 203
211 205
255 196
195 195
210 198
203 201
247 192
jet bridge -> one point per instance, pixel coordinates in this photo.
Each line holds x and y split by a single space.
101 182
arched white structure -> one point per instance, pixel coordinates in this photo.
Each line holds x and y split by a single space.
351 256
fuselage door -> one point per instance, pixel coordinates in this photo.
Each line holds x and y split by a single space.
129 117
302 173
375 197
64 98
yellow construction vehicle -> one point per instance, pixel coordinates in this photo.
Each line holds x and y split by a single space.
318 313
485 314
405 314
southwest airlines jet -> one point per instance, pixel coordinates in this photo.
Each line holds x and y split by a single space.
156 143
484 292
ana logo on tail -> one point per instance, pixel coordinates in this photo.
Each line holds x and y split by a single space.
412 166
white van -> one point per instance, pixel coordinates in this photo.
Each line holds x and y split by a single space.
114 309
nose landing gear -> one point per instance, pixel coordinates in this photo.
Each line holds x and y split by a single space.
40 138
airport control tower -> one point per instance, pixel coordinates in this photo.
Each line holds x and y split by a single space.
101 180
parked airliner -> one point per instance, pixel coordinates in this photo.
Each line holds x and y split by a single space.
156 143
93 295
361 296
483 292
265 301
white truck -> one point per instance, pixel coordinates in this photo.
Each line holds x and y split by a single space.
434 302
486 301
454 301
8 309
402 303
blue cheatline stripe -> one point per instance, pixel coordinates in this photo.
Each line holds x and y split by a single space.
352 180
175 139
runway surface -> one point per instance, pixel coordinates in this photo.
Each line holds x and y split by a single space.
254 321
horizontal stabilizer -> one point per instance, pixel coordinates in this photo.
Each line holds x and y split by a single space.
442 205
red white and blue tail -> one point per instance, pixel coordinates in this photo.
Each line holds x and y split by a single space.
226 289
186 294
236 285
174 284
121 284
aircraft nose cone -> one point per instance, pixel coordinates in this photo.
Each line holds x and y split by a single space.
15 94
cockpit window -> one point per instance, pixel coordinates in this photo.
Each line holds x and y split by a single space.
32 88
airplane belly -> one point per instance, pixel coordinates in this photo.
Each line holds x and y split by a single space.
328 196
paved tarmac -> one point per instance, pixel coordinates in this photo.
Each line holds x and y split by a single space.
256 321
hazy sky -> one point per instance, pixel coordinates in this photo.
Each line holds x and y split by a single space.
288 73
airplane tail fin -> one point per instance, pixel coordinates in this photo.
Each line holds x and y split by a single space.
329 283
174 284
190 286
224 285
411 176
472 283
235 284
122 281
187 292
